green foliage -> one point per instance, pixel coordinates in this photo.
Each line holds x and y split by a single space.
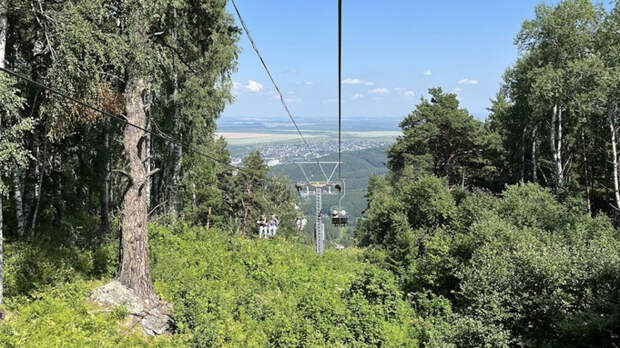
513 270
31 267
12 130
441 139
427 201
60 317
237 292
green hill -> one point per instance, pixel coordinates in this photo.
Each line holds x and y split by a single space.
357 168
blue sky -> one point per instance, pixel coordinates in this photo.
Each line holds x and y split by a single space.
393 51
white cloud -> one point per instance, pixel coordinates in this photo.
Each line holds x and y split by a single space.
457 89
350 81
236 86
409 94
308 83
356 81
428 72
468 82
357 96
254 86
380 91
293 100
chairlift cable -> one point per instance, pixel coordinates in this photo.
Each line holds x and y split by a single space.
340 89
275 85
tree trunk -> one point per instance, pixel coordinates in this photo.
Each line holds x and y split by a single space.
58 199
246 208
522 169
178 150
104 194
556 143
135 271
19 206
3 29
149 180
586 171
614 154
40 175
534 164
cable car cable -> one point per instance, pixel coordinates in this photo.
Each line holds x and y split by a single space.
275 85
340 89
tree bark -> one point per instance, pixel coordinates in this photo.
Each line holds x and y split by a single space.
148 163
522 169
178 149
586 171
614 154
135 271
19 205
3 29
38 186
104 194
246 208
59 205
534 164
556 143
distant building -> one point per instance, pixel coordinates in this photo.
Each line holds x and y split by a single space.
273 162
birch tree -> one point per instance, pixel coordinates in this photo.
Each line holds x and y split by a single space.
559 39
12 129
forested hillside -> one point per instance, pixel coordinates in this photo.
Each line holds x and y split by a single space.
358 166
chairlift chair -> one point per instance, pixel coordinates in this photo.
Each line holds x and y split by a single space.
340 218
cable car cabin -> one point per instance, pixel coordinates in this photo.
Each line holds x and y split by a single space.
340 219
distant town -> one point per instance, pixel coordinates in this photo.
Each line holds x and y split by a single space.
276 154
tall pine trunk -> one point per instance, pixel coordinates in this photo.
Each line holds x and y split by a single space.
135 271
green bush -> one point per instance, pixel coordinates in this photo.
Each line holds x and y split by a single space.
29 267
522 269
60 317
237 292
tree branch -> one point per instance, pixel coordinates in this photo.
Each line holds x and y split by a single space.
152 172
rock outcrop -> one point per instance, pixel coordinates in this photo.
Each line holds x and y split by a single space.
153 316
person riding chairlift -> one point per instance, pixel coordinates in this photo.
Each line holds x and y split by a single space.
273 226
262 226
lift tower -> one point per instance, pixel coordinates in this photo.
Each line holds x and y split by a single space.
331 187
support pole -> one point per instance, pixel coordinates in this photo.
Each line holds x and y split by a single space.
318 226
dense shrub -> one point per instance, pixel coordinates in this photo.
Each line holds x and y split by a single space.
31 266
521 269
254 293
